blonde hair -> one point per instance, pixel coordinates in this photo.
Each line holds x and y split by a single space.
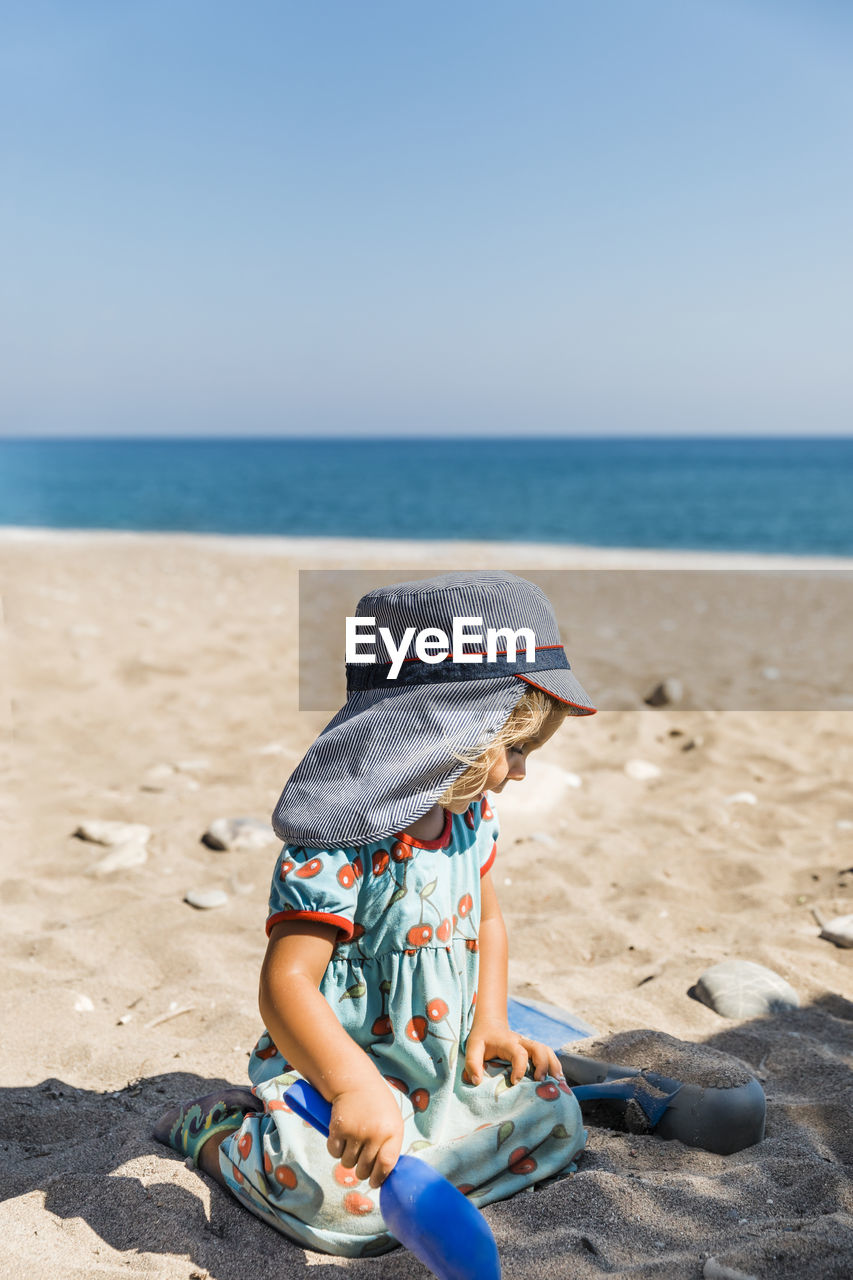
526 719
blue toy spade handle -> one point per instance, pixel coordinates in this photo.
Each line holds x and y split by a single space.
310 1105
421 1208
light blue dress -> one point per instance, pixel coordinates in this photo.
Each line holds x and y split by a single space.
403 982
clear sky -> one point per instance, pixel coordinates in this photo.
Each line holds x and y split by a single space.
335 216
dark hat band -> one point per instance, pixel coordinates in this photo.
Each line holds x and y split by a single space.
373 675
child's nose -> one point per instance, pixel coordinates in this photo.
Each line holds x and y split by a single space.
518 769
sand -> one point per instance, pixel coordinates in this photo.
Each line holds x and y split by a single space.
154 679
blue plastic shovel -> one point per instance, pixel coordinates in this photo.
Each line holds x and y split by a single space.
421 1208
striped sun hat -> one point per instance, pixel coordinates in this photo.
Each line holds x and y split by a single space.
387 755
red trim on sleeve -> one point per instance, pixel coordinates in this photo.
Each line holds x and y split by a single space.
321 917
441 843
487 865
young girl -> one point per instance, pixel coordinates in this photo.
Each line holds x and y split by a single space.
385 978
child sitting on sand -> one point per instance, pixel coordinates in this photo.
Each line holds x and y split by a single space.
385 978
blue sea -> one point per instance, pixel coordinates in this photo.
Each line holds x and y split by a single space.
770 495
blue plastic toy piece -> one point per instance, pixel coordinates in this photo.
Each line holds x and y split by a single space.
420 1207
546 1023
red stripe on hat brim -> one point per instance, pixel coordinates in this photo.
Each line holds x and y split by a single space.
587 711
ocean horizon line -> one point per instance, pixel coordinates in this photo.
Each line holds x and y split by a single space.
350 437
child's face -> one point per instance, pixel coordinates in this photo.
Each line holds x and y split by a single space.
511 764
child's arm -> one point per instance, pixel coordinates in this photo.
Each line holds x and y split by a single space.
366 1129
491 1036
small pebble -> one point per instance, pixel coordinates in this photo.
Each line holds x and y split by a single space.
573 780
642 770
124 1019
105 832
206 899
156 778
741 797
844 824
666 694
239 834
714 1270
838 930
771 673
83 1005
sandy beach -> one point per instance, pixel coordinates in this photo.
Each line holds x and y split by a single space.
153 679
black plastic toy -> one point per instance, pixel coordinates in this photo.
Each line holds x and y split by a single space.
722 1120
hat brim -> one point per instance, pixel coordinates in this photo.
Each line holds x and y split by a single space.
561 684
386 757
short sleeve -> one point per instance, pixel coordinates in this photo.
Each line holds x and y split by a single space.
487 834
315 884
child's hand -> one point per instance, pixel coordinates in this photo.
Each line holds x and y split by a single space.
495 1039
366 1132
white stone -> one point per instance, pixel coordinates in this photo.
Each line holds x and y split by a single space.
742 989
771 673
239 833
642 770
844 824
122 856
838 930
206 899
741 797
109 833
83 1005
573 780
